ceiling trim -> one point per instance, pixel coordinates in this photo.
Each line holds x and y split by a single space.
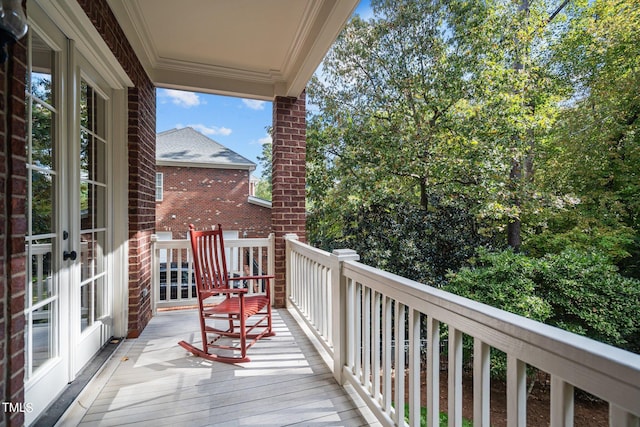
320 24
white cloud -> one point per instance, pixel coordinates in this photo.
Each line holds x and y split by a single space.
265 140
211 130
254 104
182 98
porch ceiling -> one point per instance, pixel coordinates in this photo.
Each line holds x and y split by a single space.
250 48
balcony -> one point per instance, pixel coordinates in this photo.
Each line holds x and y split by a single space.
333 360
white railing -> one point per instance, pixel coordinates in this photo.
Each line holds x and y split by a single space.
363 311
173 282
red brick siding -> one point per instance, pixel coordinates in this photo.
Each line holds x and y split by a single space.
141 141
13 225
288 180
206 197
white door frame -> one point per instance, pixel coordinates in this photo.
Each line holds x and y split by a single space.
48 18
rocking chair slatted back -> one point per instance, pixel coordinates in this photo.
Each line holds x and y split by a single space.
211 266
235 319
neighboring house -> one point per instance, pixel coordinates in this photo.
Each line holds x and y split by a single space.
201 182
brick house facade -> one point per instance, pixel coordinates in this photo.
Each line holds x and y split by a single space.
206 192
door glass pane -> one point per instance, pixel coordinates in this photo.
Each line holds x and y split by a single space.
85 150
99 250
42 135
87 256
41 273
100 152
42 201
41 297
101 300
99 206
86 306
93 206
85 108
42 343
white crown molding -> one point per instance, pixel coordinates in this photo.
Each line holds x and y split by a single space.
311 37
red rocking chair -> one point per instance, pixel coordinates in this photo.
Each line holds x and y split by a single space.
248 316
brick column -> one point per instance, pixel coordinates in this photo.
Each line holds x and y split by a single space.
142 166
142 204
288 214
13 227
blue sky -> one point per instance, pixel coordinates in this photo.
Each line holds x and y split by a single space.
239 124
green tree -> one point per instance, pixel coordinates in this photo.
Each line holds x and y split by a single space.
393 100
263 189
594 160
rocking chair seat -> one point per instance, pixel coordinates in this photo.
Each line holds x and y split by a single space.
252 305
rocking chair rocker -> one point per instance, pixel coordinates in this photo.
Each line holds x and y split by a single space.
234 307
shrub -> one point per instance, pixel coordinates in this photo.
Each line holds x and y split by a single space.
505 280
578 291
590 297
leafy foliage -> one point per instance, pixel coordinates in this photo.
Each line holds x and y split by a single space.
578 291
442 127
263 188
405 239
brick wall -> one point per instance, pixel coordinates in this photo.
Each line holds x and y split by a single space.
288 180
13 225
141 143
206 197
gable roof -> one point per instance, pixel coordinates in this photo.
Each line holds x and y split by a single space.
188 147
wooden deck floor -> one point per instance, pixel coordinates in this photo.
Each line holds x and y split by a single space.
153 381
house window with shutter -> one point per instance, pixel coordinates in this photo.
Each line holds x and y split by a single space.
159 183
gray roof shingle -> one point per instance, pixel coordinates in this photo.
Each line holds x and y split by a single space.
188 147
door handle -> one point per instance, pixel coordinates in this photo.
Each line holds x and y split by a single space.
69 255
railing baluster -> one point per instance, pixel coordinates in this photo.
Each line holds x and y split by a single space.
516 392
414 367
455 377
386 371
377 343
399 332
358 329
366 339
351 322
325 300
561 402
481 384
178 274
618 417
433 372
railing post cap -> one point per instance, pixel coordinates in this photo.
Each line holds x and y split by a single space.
346 254
291 236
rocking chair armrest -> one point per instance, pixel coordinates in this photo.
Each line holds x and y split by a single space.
252 277
231 291
260 277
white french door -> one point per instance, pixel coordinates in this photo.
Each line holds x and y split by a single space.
92 300
69 289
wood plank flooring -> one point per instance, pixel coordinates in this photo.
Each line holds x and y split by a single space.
153 381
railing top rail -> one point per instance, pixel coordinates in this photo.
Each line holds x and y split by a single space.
541 345
230 243
41 248
309 251
244 242
172 244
